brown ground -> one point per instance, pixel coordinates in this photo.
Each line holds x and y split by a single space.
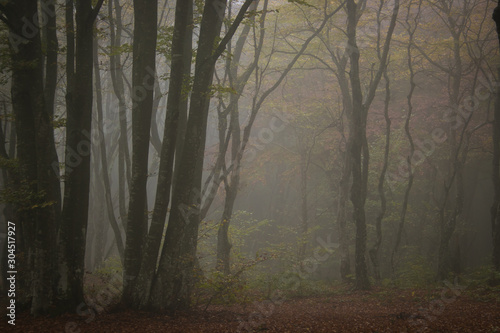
375 311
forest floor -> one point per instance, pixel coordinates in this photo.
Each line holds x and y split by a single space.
447 309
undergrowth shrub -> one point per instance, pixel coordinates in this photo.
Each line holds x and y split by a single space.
217 288
415 272
483 283
103 287
214 287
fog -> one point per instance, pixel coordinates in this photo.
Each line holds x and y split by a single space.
251 153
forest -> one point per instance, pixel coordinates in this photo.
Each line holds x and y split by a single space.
250 165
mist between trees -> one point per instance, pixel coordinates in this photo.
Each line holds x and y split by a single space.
191 153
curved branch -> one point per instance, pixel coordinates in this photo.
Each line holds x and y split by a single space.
232 30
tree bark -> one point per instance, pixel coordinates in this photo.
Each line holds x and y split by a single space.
358 133
143 80
238 83
172 287
448 222
52 51
411 33
304 214
495 208
359 147
345 176
116 71
181 52
374 251
345 261
104 157
72 236
36 155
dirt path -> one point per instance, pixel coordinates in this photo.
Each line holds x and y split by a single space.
395 311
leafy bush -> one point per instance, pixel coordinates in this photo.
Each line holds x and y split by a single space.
216 287
484 275
483 283
111 267
103 287
415 273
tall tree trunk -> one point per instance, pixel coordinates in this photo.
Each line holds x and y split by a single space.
124 169
155 136
36 155
223 243
181 51
96 234
48 177
359 146
72 236
402 219
358 133
183 107
7 180
65 230
50 84
345 176
304 216
495 208
143 81
345 261
231 186
52 49
172 287
238 83
374 251
448 221
104 157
